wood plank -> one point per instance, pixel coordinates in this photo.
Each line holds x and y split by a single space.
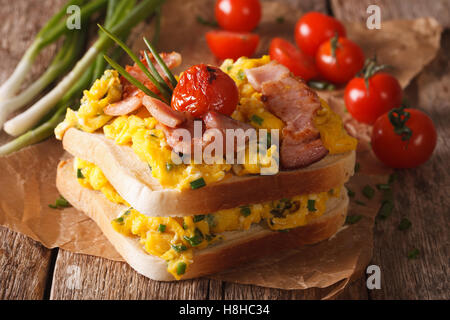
78 276
425 195
423 191
24 265
355 290
355 10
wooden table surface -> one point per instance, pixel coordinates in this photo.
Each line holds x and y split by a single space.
30 271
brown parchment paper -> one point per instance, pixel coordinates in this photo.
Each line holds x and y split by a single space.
27 178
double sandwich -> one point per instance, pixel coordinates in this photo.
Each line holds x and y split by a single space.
178 220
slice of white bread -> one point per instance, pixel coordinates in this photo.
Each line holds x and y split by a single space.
237 246
133 180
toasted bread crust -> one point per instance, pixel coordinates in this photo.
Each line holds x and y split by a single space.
133 180
238 246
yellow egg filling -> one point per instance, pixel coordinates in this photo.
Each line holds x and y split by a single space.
174 239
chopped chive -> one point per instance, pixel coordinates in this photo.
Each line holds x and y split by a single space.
386 209
211 221
357 167
119 220
353 219
199 217
392 178
196 239
368 192
269 140
185 225
169 166
181 268
199 183
404 224
413 254
179 248
80 174
360 202
162 228
280 19
383 186
245 211
283 230
312 205
257 119
241 75
61 202
350 193
205 22
321 85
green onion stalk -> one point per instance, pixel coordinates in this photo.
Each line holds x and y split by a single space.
64 59
50 33
28 119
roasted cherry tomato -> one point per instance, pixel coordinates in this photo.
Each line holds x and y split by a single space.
202 88
339 59
367 102
313 29
238 15
232 45
395 149
287 54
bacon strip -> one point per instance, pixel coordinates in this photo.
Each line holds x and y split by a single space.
124 106
163 112
295 103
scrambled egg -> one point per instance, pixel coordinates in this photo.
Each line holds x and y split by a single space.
174 239
150 145
90 116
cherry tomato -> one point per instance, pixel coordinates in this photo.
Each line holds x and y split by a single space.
313 29
238 15
202 88
348 60
232 45
288 55
397 153
367 104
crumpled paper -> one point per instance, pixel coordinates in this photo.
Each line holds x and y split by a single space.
27 177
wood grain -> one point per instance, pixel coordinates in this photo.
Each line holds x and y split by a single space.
355 10
25 266
421 194
78 276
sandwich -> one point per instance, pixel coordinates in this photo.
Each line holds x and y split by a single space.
134 168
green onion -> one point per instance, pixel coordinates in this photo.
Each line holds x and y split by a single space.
350 193
80 174
60 203
360 203
161 63
181 268
47 35
245 211
169 166
198 218
179 248
211 221
413 254
321 85
119 220
206 22
29 118
196 239
312 205
368 192
138 62
386 209
404 224
257 119
161 228
199 183
353 219
241 75
383 186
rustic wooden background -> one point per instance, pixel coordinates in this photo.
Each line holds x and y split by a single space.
30 271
